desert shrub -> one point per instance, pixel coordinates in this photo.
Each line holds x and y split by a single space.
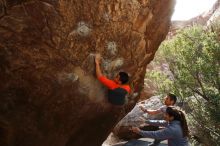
193 73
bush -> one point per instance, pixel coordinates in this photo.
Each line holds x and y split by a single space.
193 59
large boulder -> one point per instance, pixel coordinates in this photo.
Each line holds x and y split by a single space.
49 95
136 117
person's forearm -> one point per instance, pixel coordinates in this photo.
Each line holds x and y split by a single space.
160 134
162 123
98 70
152 112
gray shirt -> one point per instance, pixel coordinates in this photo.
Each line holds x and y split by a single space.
163 109
173 133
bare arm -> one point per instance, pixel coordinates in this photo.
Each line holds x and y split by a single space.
151 112
97 67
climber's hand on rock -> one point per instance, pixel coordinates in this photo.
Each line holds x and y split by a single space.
97 58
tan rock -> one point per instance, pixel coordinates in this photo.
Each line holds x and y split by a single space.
49 95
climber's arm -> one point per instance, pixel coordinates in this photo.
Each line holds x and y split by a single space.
105 81
97 67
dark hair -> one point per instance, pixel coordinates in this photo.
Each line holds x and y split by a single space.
123 77
179 116
172 97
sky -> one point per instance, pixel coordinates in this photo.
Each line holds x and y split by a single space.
186 9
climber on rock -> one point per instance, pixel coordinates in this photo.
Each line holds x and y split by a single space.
117 88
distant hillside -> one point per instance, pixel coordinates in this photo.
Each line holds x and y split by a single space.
203 19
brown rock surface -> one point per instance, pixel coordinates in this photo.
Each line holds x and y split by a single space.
49 95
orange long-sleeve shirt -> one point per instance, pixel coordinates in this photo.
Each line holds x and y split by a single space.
112 84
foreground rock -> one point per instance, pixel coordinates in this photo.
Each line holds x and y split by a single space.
49 95
137 117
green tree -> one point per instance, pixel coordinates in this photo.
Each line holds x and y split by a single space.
193 57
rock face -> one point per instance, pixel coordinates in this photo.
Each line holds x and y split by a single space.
136 118
49 95
214 13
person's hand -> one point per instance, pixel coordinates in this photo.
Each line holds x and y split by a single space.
135 129
142 108
142 125
97 58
